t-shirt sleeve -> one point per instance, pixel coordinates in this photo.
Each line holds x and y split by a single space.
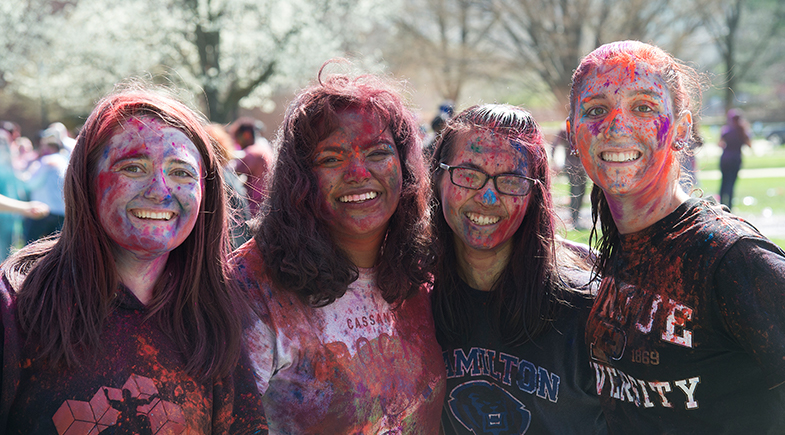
261 344
750 283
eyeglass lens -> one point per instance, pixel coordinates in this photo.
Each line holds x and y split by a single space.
505 183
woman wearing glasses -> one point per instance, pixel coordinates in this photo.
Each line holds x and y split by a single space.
509 317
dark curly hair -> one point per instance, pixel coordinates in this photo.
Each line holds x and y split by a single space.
296 246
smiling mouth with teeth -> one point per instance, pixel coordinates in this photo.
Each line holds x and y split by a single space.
625 156
479 219
154 215
359 198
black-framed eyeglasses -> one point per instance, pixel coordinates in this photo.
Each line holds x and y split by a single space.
506 184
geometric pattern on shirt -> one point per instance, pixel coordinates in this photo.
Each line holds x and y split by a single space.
133 409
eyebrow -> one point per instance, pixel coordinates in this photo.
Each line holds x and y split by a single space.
648 92
145 156
471 165
193 165
331 148
135 156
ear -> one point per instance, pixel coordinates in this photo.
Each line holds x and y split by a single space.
569 133
684 127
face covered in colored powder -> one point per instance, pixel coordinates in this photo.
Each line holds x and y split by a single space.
149 187
623 128
484 219
359 175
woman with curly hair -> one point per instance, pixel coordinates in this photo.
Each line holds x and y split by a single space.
125 321
339 267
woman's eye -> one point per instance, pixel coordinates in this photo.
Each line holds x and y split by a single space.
133 169
182 173
381 152
596 111
644 108
326 161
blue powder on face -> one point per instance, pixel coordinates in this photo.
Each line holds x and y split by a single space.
488 197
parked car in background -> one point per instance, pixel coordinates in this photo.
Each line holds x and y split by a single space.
775 135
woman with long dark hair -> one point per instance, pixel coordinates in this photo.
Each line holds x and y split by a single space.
340 268
129 305
509 300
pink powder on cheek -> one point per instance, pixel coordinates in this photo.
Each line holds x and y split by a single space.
108 188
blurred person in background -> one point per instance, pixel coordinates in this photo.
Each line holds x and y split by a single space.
734 136
576 176
43 181
11 207
239 212
255 160
59 130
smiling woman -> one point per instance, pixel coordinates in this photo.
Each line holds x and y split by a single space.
148 194
344 341
507 295
687 334
128 312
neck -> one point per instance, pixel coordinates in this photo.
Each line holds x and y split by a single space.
363 251
140 275
632 214
481 268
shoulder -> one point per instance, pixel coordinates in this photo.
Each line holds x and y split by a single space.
247 258
756 257
708 223
247 266
249 271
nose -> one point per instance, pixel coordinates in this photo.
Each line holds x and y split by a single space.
357 170
158 188
616 124
487 195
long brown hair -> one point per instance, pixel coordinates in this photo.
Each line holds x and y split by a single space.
66 283
523 299
298 251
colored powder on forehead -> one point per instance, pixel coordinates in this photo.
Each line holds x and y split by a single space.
516 145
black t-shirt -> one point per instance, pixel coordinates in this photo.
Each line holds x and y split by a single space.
544 386
688 334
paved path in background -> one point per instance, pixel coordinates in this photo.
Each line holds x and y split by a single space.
746 173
